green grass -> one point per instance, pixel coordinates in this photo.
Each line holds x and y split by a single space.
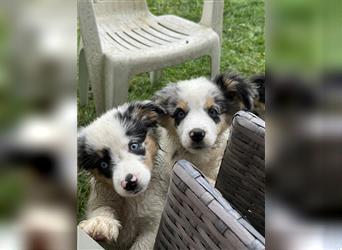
243 50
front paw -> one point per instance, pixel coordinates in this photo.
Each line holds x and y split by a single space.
101 228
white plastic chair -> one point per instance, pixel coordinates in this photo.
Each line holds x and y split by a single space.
122 38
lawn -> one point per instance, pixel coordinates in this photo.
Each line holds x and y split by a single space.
243 50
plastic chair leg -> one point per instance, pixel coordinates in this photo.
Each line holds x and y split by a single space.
116 86
83 79
155 76
215 63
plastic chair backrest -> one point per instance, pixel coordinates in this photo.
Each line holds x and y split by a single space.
119 7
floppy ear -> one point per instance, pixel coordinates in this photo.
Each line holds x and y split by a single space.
234 87
166 98
150 113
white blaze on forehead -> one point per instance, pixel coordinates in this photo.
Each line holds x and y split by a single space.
196 91
106 131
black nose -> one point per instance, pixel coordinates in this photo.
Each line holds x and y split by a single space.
132 182
197 134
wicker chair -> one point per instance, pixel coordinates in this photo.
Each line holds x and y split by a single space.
196 216
241 179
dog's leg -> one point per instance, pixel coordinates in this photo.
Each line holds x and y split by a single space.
101 223
145 240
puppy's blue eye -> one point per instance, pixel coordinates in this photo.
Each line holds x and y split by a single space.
104 164
136 148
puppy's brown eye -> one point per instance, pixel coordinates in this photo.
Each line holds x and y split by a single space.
179 115
213 112
104 164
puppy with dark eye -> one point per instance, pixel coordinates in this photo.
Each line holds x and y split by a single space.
199 113
260 100
120 150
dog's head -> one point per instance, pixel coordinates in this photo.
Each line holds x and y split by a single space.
119 147
199 110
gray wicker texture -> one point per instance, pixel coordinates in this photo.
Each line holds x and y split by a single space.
196 216
241 178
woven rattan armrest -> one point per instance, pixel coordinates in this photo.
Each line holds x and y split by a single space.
196 216
241 178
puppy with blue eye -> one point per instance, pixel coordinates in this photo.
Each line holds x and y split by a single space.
120 150
199 112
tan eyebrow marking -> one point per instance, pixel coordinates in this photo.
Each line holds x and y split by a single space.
99 153
182 104
209 102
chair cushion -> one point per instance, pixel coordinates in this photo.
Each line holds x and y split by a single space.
241 178
196 216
